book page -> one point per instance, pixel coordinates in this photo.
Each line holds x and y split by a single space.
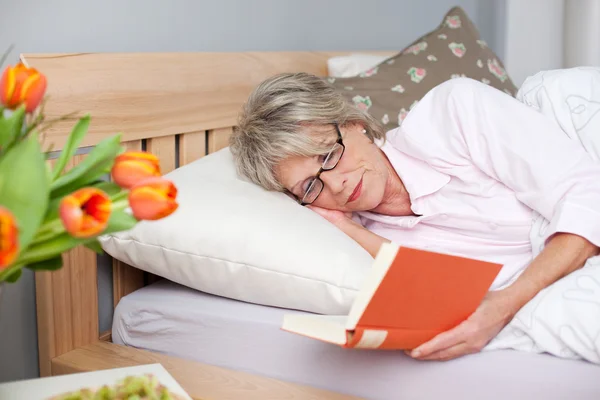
330 328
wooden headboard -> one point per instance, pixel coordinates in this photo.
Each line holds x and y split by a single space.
179 106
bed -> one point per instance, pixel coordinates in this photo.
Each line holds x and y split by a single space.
182 106
172 319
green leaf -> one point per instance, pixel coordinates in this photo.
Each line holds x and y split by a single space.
48 168
6 275
52 212
51 264
24 186
68 151
49 249
6 53
109 188
10 128
95 246
90 169
13 277
120 221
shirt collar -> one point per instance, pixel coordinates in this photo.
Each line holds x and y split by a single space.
419 178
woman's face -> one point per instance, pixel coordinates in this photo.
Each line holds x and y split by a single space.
358 181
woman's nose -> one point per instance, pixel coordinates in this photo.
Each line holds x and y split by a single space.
334 182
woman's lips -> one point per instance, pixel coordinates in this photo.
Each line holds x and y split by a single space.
356 193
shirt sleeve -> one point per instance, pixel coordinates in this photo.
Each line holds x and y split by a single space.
473 123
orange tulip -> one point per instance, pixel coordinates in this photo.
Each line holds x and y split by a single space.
85 212
153 198
9 238
134 166
22 85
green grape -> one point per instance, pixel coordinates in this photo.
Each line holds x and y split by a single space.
105 393
145 387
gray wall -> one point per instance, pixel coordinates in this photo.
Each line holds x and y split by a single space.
202 25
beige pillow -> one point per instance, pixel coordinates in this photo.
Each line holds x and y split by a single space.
389 90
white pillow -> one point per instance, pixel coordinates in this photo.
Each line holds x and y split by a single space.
570 97
352 65
231 238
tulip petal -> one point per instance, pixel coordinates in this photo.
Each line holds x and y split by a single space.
7 85
139 155
134 166
127 173
21 76
22 85
85 213
153 199
33 92
150 204
71 214
9 238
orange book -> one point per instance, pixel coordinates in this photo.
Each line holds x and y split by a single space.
408 297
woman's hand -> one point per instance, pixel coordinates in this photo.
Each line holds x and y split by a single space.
495 311
369 241
563 254
338 218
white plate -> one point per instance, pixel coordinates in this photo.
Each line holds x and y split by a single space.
43 388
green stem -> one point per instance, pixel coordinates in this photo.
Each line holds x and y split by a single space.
48 230
10 270
33 257
117 198
5 55
120 205
42 251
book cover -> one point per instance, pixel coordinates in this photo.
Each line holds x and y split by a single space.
409 296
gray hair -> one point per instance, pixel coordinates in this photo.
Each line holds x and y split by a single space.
270 125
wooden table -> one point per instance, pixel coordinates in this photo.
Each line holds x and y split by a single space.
201 381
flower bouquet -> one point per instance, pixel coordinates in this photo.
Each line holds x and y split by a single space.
45 209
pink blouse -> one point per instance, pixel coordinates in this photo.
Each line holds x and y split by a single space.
477 163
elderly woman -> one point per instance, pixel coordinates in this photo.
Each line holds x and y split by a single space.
463 174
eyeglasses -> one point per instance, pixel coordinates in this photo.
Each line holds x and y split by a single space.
316 185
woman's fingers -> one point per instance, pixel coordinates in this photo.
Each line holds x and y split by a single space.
442 341
333 216
322 212
450 353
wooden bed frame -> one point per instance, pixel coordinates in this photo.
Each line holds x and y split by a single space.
179 106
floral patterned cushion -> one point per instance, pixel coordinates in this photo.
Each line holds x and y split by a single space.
391 89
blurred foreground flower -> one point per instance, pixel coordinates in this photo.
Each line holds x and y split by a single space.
133 166
22 85
9 244
85 212
153 199
46 211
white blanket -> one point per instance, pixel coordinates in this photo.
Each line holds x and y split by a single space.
563 319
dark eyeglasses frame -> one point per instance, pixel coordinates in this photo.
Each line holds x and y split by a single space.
323 169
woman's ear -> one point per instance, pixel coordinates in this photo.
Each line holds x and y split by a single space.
356 127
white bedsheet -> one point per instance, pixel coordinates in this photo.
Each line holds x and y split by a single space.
172 319
563 319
